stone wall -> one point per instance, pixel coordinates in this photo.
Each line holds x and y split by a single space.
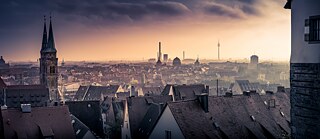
305 100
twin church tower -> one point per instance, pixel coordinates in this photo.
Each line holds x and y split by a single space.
49 63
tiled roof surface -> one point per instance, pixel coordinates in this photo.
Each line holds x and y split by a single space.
152 90
88 112
139 106
36 95
95 92
233 117
192 120
183 92
42 121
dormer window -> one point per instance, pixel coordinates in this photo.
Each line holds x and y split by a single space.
312 29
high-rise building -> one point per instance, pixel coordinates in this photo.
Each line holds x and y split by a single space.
176 62
184 55
49 63
254 61
159 56
165 58
63 63
305 68
197 63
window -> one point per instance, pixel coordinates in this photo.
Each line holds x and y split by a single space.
272 103
312 29
52 69
168 134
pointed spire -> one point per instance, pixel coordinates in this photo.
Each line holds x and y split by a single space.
44 38
51 45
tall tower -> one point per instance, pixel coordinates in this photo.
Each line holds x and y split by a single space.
184 55
49 63
159 56
218 50
305 68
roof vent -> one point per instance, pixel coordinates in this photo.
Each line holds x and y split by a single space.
252 118
78 131
246 93
26 108
216 125
265 102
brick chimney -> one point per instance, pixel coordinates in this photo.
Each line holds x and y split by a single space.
203 100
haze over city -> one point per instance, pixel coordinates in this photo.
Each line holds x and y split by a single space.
125 30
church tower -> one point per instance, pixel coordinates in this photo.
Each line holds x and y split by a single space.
49 63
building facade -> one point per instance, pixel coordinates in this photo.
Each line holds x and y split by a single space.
49 63
305 68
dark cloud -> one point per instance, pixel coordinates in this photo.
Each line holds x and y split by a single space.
21 16
106 11
222 10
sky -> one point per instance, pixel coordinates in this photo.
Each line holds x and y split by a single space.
99 30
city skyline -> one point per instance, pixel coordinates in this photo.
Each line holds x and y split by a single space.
134 35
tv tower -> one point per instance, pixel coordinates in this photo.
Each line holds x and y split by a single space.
218 50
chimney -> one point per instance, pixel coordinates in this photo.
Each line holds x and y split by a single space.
207 89
246 93
160 106
281 89
55 103
203 99
228 94
132 92
5 96
253 91
269 92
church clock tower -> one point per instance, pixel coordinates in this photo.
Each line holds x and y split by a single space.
49 63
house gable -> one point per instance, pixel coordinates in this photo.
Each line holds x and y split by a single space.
165 123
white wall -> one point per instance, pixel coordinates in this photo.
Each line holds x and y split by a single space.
301 51
166 122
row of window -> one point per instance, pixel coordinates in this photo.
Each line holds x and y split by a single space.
51 70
